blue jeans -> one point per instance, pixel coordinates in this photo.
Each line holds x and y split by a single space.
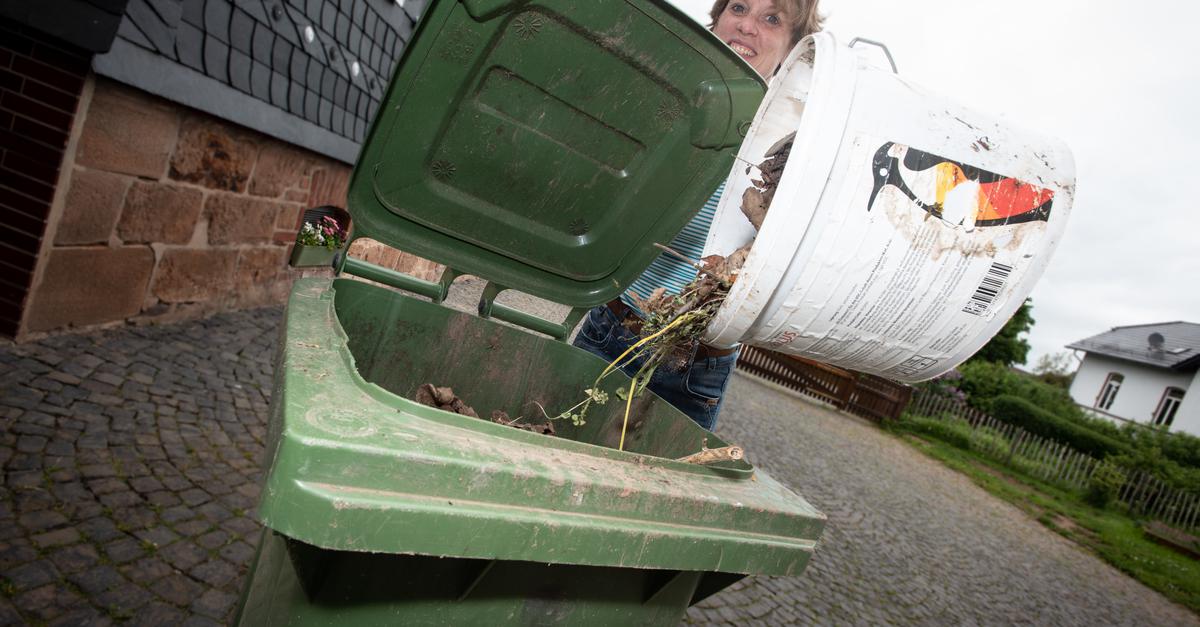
696 390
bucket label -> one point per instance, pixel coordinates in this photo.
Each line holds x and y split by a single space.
914 257
956 192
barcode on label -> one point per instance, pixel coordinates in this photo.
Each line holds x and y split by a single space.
992 283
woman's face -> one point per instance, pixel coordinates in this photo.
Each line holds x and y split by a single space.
756 30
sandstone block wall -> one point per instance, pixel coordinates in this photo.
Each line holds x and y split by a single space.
169 213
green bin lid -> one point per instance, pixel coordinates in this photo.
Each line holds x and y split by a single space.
546 146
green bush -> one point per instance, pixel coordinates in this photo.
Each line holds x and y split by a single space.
955 431
984 381
1104 485
1022 413
1181 448
1151 460
989 442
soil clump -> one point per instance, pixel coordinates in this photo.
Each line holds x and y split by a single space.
445 399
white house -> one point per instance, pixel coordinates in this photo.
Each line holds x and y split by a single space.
1142 374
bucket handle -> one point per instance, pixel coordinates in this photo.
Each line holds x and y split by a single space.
878 44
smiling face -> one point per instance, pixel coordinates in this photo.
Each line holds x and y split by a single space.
757 30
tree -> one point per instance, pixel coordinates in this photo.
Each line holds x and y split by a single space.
1056 369
1008 347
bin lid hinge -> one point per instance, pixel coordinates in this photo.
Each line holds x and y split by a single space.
434 291
489 308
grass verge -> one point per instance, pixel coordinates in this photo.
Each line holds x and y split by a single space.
1110 534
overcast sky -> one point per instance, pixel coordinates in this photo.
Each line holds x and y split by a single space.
1120 83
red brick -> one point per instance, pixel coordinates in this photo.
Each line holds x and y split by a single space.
16 258
20 202
84 286
373 252
24 242
240 219
72 62
213 154
34 110
92 207
14 284
30 149
159 212
61 100
40 171
330 187
11 81
48 74
30 187
25 223
48 135
17 281
280 167
127 131
188 275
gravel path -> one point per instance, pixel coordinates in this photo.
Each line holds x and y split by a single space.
130 461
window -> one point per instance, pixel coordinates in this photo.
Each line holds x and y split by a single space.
1108 393
1165 413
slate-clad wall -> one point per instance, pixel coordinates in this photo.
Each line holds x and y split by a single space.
310 72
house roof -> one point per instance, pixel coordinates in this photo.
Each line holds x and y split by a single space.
1179 348
309 72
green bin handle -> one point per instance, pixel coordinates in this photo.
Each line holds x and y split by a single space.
489 308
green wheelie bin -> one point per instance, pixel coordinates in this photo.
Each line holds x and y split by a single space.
543 146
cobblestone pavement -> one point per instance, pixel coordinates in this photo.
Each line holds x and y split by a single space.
130 461
131 469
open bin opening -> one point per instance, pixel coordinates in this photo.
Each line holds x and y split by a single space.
400 343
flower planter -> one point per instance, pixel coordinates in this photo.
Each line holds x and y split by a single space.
311 256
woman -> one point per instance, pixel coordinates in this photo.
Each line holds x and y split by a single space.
762 32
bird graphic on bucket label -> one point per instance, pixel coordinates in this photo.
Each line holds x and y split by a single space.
956 192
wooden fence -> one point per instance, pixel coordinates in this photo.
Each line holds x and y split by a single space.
860 394
1057 463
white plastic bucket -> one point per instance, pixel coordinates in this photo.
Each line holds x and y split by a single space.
905 231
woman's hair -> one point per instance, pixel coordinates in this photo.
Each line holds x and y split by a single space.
804 12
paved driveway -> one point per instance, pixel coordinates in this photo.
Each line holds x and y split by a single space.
130 462
909 541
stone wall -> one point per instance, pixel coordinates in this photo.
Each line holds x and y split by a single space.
168 213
